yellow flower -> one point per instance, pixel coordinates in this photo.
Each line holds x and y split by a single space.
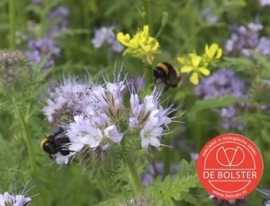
123 39
213 52
140 45
193 64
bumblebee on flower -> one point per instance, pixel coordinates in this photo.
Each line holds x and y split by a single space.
99 119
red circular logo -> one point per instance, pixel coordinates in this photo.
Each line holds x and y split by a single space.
230 166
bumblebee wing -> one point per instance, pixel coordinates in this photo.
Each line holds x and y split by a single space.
174 77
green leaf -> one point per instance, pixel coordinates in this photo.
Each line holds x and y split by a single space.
261 59
176 188
239 63
3 3
222 101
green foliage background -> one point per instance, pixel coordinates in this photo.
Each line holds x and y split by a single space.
185 31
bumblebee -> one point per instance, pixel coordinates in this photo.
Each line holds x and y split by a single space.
167 74
55 143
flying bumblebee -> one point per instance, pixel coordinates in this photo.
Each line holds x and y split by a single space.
167 74
55 143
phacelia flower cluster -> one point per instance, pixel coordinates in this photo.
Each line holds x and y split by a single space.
95 115
148 116
209 16
247 38
265 193
7 199
40 49
13 69
64 99
236 202
157 170
264 3
44 47
60 19
14 199
223 82
105 35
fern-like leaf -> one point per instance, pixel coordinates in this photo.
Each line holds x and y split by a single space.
176 188
259 92
239 63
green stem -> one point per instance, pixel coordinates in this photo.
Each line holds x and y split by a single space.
133 174
159 31
27 138
194 26
147 16
166 159
104 190
148 74
29 144
11 24
198 131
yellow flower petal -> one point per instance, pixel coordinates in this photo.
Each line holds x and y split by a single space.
195 59
204 71
145 31
212 51
186 69
181 60
149 58
219 53
206 50
194 78
146 48
155 47
123 39
133 43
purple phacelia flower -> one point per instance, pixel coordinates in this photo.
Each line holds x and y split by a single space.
209 16
264 3
40 49
157 170
245 38
105 35
236 202
134 85
60 18
220 83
